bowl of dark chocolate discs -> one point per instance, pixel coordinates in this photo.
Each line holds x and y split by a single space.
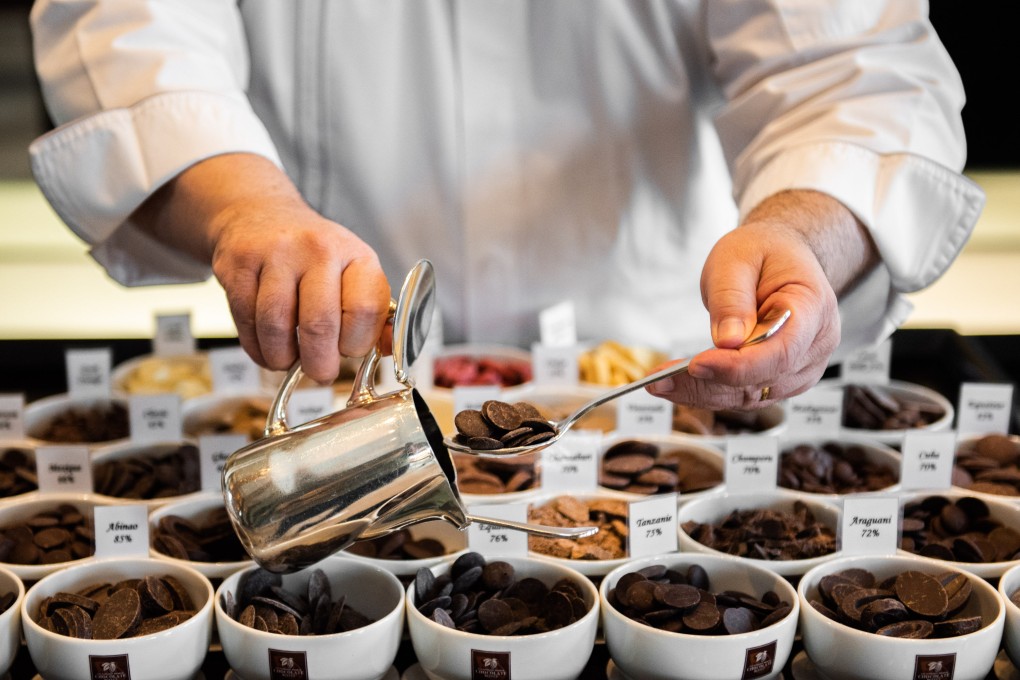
46 533
899 617
533 618
699 617
964 531
150 473
337 618
197 531
647 465
885 413
119 617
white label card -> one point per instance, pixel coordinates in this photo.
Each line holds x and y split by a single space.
816 412
233 370
870 525
213 451
927 461
554 365
122 531
63 469
557 325
652 524
572 463
752 463
173 335
868 366
12 417
984 408
88 372
308 404
473 396
489 539
155 417
639 412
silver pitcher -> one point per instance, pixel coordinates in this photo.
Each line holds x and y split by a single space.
301 494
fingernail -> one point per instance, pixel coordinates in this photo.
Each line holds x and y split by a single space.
731 331
662 387
701 372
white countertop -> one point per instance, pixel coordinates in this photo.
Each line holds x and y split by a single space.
62 293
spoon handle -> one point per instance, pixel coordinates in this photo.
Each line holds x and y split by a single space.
536 529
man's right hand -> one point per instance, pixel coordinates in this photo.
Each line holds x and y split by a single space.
297 283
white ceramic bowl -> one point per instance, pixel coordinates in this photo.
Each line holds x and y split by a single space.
641 651
772 420
199 414
874 452
907 391
10 619
172 654
362 654
187 375
450 536
28 448
844 653
714 509
462 460
447 654
593 568
1005 513
706 453
12 513
41 413
195 509
129 449
1009 584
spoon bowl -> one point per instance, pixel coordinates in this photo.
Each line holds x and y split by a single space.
767 326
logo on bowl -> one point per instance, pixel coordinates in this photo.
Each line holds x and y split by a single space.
934 666
758 661
286 665
110 667
490 665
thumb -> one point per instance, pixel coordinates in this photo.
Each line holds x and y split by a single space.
729 287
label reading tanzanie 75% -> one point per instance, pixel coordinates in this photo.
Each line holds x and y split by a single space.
652 525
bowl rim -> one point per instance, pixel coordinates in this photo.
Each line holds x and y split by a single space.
718 561
222 619
561 571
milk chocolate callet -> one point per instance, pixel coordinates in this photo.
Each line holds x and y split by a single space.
497 603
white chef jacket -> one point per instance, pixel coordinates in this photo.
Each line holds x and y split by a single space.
534 151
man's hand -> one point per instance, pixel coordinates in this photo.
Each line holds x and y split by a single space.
797 250
296 282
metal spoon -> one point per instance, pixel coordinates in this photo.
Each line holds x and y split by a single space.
766 328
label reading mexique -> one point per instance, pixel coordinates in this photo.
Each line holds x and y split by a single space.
65 468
